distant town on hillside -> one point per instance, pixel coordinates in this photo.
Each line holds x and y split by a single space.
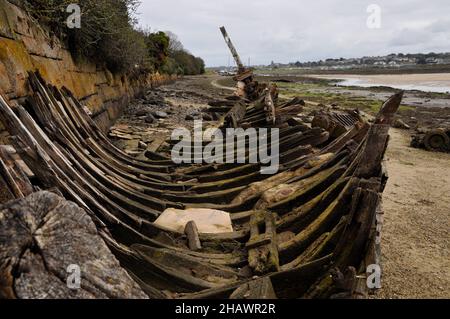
391 60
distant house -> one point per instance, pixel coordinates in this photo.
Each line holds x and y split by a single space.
431 61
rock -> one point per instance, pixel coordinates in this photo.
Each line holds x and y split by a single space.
154 100
141 112
189 117
401 125
160 114
150 119
142 145
207 117
45 238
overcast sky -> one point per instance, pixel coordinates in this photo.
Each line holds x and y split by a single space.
293 30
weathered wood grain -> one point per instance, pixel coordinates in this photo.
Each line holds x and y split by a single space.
40 237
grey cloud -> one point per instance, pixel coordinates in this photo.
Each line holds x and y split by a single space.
410 37
290 30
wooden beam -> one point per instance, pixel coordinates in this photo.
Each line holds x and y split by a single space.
191 232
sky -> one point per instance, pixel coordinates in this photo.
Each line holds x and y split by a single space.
291 30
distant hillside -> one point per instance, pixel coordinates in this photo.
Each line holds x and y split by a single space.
395 63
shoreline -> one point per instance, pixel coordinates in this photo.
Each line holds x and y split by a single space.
325 89
424 82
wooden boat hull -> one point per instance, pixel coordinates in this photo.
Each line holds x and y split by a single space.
310 231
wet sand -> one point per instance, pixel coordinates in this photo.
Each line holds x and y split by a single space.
415 238
433 82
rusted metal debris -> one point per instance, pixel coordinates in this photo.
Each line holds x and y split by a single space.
315 218
435 140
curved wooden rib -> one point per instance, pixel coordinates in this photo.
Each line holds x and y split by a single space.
325 208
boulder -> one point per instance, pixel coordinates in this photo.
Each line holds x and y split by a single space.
160 114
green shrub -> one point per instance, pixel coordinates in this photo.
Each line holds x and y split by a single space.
157 45
108 35
107 31
190 64
180 60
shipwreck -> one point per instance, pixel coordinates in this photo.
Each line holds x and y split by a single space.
312 230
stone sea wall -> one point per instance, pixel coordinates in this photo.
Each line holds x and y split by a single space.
25 46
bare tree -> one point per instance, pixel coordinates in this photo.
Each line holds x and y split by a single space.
174 43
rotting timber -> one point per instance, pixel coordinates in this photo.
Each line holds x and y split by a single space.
309 231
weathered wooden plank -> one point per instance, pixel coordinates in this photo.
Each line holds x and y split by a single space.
191 232
258 289
262 246
62 236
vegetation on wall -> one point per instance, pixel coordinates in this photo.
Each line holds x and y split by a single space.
109 35
157 46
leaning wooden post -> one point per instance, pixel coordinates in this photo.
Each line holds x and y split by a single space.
191 232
